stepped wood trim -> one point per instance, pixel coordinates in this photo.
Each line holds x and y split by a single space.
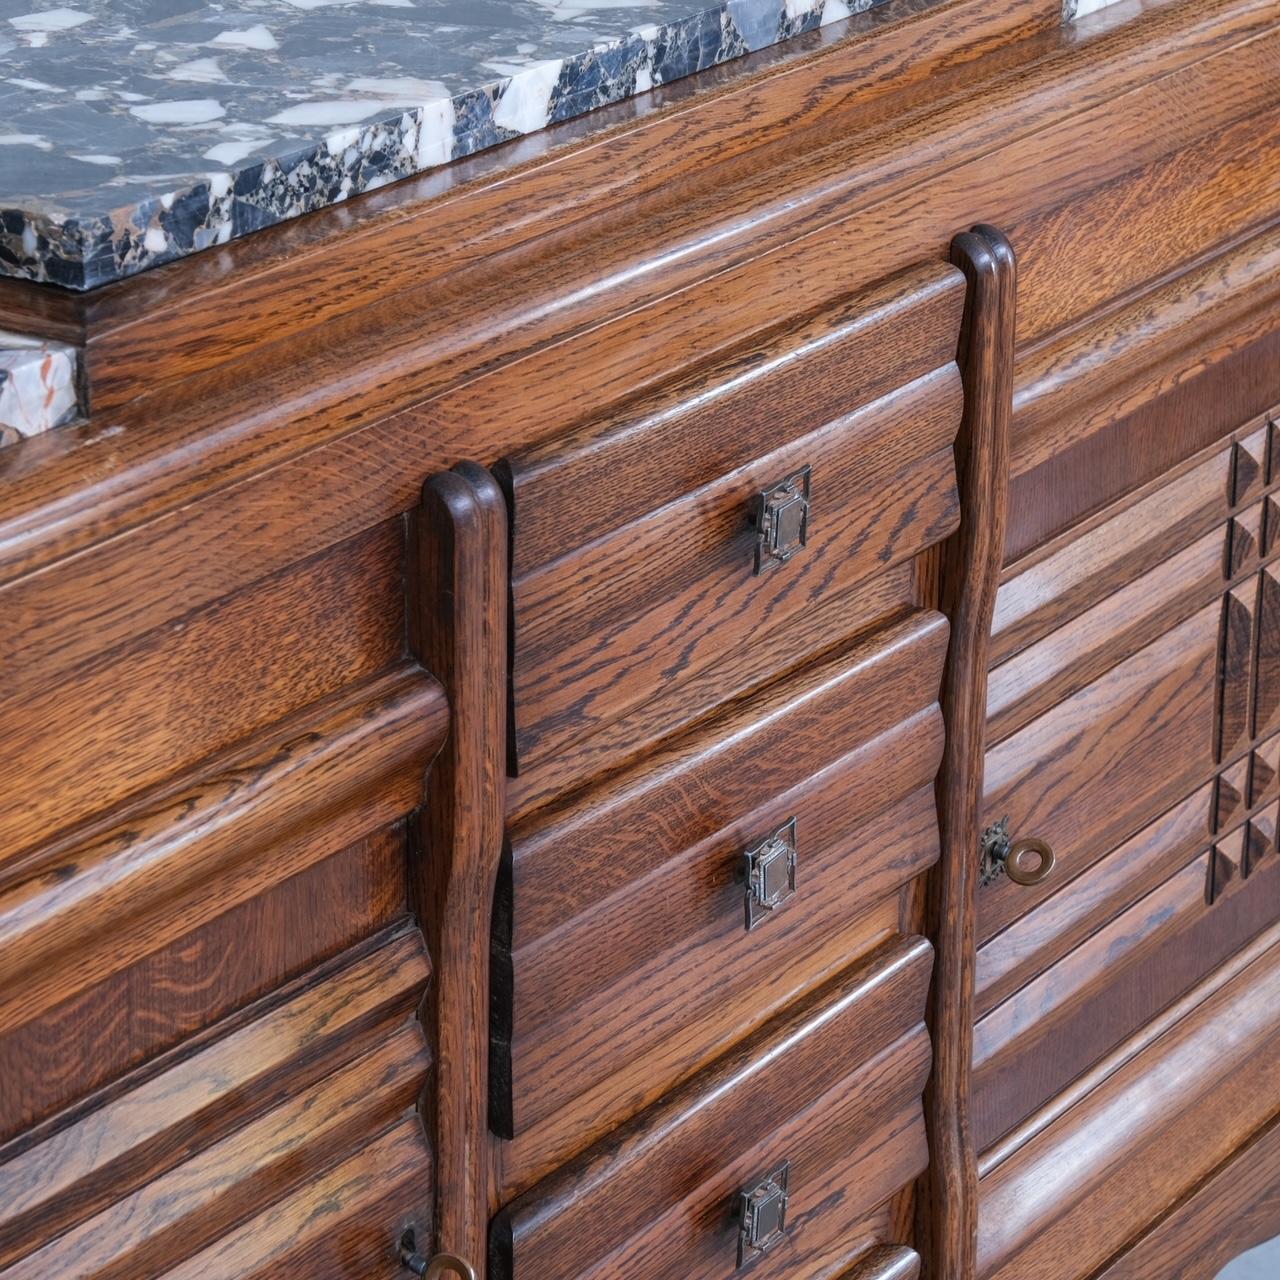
101 898
176 1109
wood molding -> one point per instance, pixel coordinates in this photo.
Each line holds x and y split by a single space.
459 630
97 900
970 576
891 1262
1140 1134
189 1103
1074 385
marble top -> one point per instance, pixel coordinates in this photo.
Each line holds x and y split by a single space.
133 132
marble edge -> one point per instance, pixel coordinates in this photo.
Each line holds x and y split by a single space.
82 253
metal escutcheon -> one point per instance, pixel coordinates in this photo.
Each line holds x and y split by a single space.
781 519
770 869
762 1211
1017 870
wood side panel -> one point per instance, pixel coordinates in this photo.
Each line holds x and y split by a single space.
1075 1012
94 1037
348 1222
182 693
109 894
1083 1187
1232 1211
167 1116
1103 763
598 632
578 487
682 1160
206 1197
970 572
1033 942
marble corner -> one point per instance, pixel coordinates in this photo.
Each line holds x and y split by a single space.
38 386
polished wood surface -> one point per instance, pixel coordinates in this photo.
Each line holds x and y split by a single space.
461 632
390 700
851 1126
627 955
970 572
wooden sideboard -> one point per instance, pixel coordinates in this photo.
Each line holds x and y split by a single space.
698 696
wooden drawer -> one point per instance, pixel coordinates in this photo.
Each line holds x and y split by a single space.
1106 760
628 947
1028 1048
634 553
287 1143
831 1089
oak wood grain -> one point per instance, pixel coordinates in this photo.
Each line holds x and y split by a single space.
599 630
1045 1213
1204 54
1074 1012
678 1167
1034 941
170 1114
625 907
1235 1209
206 1197
75 744
459 628
970 575
1072 777
227 962
105 896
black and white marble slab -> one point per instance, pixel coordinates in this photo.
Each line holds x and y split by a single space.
133 132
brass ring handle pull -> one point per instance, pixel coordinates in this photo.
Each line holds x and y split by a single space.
444 1266
1018 871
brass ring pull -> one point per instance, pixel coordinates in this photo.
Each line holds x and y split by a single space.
444 1266
1046 859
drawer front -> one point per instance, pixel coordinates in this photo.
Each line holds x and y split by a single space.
646 924
286 1143
641 544
825 1098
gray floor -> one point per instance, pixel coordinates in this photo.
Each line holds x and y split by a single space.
1262 1263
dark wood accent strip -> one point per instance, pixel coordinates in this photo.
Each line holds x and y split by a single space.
461 633
971 572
